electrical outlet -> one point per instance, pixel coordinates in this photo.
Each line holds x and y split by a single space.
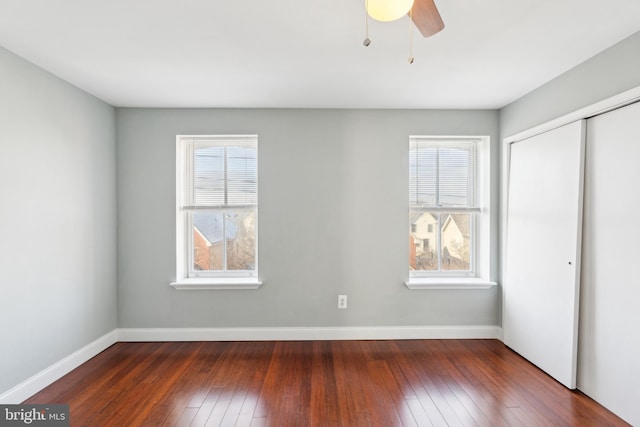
342 301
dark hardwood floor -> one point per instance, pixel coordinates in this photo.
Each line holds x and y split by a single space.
318 383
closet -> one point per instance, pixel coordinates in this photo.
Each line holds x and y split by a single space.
597 351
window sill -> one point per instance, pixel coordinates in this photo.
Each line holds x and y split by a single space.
216 284
449 283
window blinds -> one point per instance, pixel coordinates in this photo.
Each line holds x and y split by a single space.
220 172
442 174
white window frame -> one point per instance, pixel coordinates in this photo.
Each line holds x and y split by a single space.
186 277
478 276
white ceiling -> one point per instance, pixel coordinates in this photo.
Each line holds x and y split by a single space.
308 53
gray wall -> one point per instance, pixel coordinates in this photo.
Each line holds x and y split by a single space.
57 220
332 219
611 72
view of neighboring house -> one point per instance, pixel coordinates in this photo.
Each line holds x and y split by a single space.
423 241
208 241
455 241
208 238
423 231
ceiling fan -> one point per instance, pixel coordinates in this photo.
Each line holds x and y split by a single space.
423 13
426 17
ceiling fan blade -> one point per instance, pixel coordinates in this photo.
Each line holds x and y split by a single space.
426 17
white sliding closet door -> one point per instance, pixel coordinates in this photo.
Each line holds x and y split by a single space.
609 369
544 220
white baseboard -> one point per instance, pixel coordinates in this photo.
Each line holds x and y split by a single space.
308 334
42 379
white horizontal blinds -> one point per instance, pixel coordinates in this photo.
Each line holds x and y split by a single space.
242 174
442 174
221 172
208 174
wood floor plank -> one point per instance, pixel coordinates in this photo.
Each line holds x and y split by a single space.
231 415
410 358
500 386
324 393
385 391
532 394
321 383
417 412
220 408
186 417
467 391
440 394
207 406
352 402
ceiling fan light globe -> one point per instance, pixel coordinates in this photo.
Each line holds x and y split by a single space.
388 10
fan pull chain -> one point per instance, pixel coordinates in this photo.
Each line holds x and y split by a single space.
367 40
410 36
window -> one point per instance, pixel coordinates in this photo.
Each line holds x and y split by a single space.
443 206
217 211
